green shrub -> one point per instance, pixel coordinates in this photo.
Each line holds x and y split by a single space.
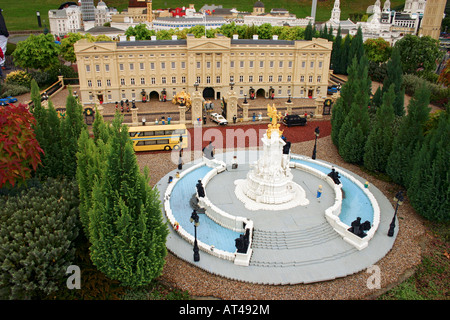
440 96
11 89
37 232
19 77
46 78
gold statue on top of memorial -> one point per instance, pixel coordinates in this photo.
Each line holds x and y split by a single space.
274 125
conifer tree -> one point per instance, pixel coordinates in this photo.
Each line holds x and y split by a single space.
343 60
336 52
91 156
377 99
429 187
355 129
409 137
309 32
72 126
126 229
395 76
37 232
379 142
356 46
355 90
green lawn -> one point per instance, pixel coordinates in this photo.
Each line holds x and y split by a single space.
21 15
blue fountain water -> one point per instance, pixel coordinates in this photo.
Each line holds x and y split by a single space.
354 204
208 231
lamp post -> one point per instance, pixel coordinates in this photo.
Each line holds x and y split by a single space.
38 14
289 100
195 219
231 85
196 85
316 132
399 199
245 98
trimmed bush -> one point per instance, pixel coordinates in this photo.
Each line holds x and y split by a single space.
440 95
37 232
19 78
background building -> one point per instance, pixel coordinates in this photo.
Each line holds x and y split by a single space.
432 18
114 71
70 18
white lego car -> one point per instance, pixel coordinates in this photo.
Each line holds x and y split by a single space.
218 118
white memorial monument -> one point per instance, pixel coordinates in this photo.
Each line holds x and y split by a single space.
269 184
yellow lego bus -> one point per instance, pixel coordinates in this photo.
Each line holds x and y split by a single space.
159 137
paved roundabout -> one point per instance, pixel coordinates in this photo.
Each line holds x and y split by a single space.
292 246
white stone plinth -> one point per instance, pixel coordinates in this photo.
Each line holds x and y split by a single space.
269 184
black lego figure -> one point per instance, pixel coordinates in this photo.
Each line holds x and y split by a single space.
358 228
242 242
335 176
200 189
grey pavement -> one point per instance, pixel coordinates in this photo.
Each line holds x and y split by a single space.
290 246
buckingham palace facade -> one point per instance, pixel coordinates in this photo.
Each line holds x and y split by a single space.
115 71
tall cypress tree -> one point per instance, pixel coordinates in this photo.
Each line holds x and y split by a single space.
356 46
355 129
126 229
309 32
49 135
91 157
379 142
355 90
336 52
377 100
429 187
395 76
343 60
409 137
72 125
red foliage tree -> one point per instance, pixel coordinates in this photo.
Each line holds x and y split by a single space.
19 149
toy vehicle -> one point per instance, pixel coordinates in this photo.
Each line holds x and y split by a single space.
219 119
7 100
332 89
294 120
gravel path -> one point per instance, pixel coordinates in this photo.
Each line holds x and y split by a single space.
405 254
